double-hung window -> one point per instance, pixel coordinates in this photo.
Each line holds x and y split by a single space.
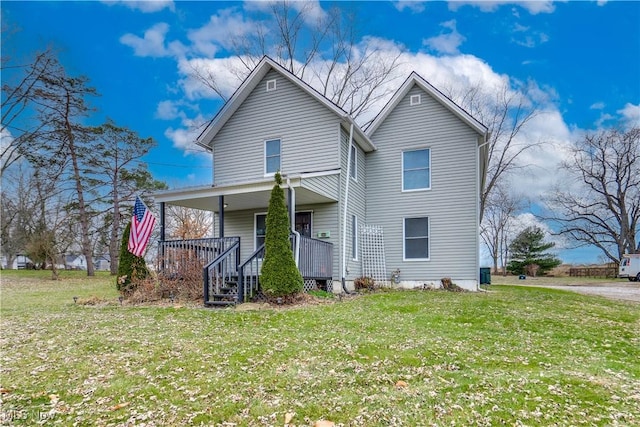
416 238
271 156
416 170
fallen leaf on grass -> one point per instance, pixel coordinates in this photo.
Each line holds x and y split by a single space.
401 384
4 390
119 406
324 423
288 417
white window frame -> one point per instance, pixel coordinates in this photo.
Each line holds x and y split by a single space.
415 99
404 239
271 85
354 237
403 170
266 173
353 168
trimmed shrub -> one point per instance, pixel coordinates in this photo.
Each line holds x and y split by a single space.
131 269
280 277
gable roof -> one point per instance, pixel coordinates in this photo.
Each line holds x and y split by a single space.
265 65
416 79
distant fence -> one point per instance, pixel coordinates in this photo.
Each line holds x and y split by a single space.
606 272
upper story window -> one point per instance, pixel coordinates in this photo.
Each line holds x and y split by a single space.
271 85
271 156
353 167
414 100
416 170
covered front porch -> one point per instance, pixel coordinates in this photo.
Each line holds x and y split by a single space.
231 259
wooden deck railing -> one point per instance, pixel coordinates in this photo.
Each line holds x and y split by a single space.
176 255
316 258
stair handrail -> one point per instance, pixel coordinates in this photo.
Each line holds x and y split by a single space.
242 289
235 247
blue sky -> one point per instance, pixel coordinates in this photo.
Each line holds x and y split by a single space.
580 59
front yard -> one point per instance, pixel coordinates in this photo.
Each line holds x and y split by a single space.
513 356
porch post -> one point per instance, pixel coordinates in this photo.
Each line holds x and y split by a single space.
162 222
162 236
220 216
292 208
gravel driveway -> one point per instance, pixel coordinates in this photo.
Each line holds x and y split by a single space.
627 291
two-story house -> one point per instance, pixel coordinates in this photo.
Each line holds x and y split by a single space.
416 173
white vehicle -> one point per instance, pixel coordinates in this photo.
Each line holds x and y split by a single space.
630 267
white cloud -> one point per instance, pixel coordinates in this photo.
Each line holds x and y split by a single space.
152 44
313 11
168 110
630 114
597 106
533 6
414 6
145 6
228 73
446 43
221 30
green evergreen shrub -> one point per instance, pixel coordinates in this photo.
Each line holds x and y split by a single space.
131 269
280 277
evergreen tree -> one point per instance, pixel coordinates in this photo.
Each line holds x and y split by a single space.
528 253
131 269
280 277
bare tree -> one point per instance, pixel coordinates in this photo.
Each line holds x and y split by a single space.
505 112
18 129
185 223
495 231
65 142
321 48
603 210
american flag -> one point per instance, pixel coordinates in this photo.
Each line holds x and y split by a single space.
142 224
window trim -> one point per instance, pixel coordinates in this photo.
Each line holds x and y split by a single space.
415 99
403 170
266 173
353 171
404 239
272 85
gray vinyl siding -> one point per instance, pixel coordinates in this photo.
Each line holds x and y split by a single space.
356 205
306 128
450 204
326 185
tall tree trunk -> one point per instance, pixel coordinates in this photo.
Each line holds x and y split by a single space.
87 250
114 250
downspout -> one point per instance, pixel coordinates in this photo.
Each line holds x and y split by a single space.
292 219
480 185
344 216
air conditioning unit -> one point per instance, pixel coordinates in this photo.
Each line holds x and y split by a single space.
323 234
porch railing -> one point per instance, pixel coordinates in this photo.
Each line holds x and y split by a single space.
316 258
220 275
174 255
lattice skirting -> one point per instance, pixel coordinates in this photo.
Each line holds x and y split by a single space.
314 284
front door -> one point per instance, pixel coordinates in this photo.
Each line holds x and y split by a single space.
303 224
